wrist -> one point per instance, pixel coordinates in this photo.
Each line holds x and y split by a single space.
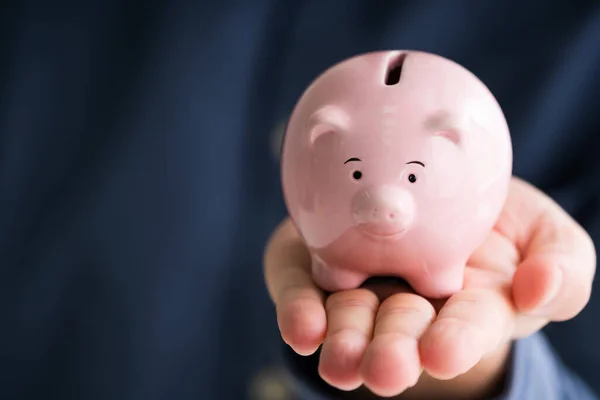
484 381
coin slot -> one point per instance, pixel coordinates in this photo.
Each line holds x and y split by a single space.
394 70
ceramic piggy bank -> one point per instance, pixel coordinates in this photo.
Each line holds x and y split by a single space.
395 164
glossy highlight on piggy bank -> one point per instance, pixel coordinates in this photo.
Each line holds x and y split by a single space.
395 163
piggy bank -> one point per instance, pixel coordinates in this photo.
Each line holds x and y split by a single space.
395 164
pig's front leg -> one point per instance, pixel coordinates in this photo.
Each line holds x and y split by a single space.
332 278
440 283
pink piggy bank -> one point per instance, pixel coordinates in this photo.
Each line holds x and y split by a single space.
395 164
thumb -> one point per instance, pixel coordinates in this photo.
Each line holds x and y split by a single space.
554 279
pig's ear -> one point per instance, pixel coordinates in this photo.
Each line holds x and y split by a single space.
325 121
320 130
445 125
451 134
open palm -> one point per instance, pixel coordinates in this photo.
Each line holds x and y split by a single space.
536 266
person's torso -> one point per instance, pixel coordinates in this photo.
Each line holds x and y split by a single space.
139 178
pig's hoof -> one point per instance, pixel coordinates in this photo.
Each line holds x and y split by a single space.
334 279
439 285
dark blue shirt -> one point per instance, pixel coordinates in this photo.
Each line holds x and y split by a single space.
138 182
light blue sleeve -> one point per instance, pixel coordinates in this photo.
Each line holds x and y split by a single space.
535 373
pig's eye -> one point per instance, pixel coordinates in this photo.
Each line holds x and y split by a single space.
412 178
357 175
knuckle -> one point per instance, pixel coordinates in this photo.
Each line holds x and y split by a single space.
453 323
404 316
464 306
358 298
406 304
291 295
292 314
343 336
477 302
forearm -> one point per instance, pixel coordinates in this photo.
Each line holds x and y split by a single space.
533 372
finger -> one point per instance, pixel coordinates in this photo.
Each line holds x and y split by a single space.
554 280
473 323
299 303
391 363
350 319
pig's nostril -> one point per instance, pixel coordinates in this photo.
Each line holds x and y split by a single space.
391 216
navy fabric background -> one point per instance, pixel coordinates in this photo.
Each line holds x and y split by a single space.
138 184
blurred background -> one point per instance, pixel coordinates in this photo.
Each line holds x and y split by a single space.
139 175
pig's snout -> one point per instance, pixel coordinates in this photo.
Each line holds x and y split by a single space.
383 211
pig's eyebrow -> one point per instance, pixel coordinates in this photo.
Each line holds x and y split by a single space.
416 162
352 159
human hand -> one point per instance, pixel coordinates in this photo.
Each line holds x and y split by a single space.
536 266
